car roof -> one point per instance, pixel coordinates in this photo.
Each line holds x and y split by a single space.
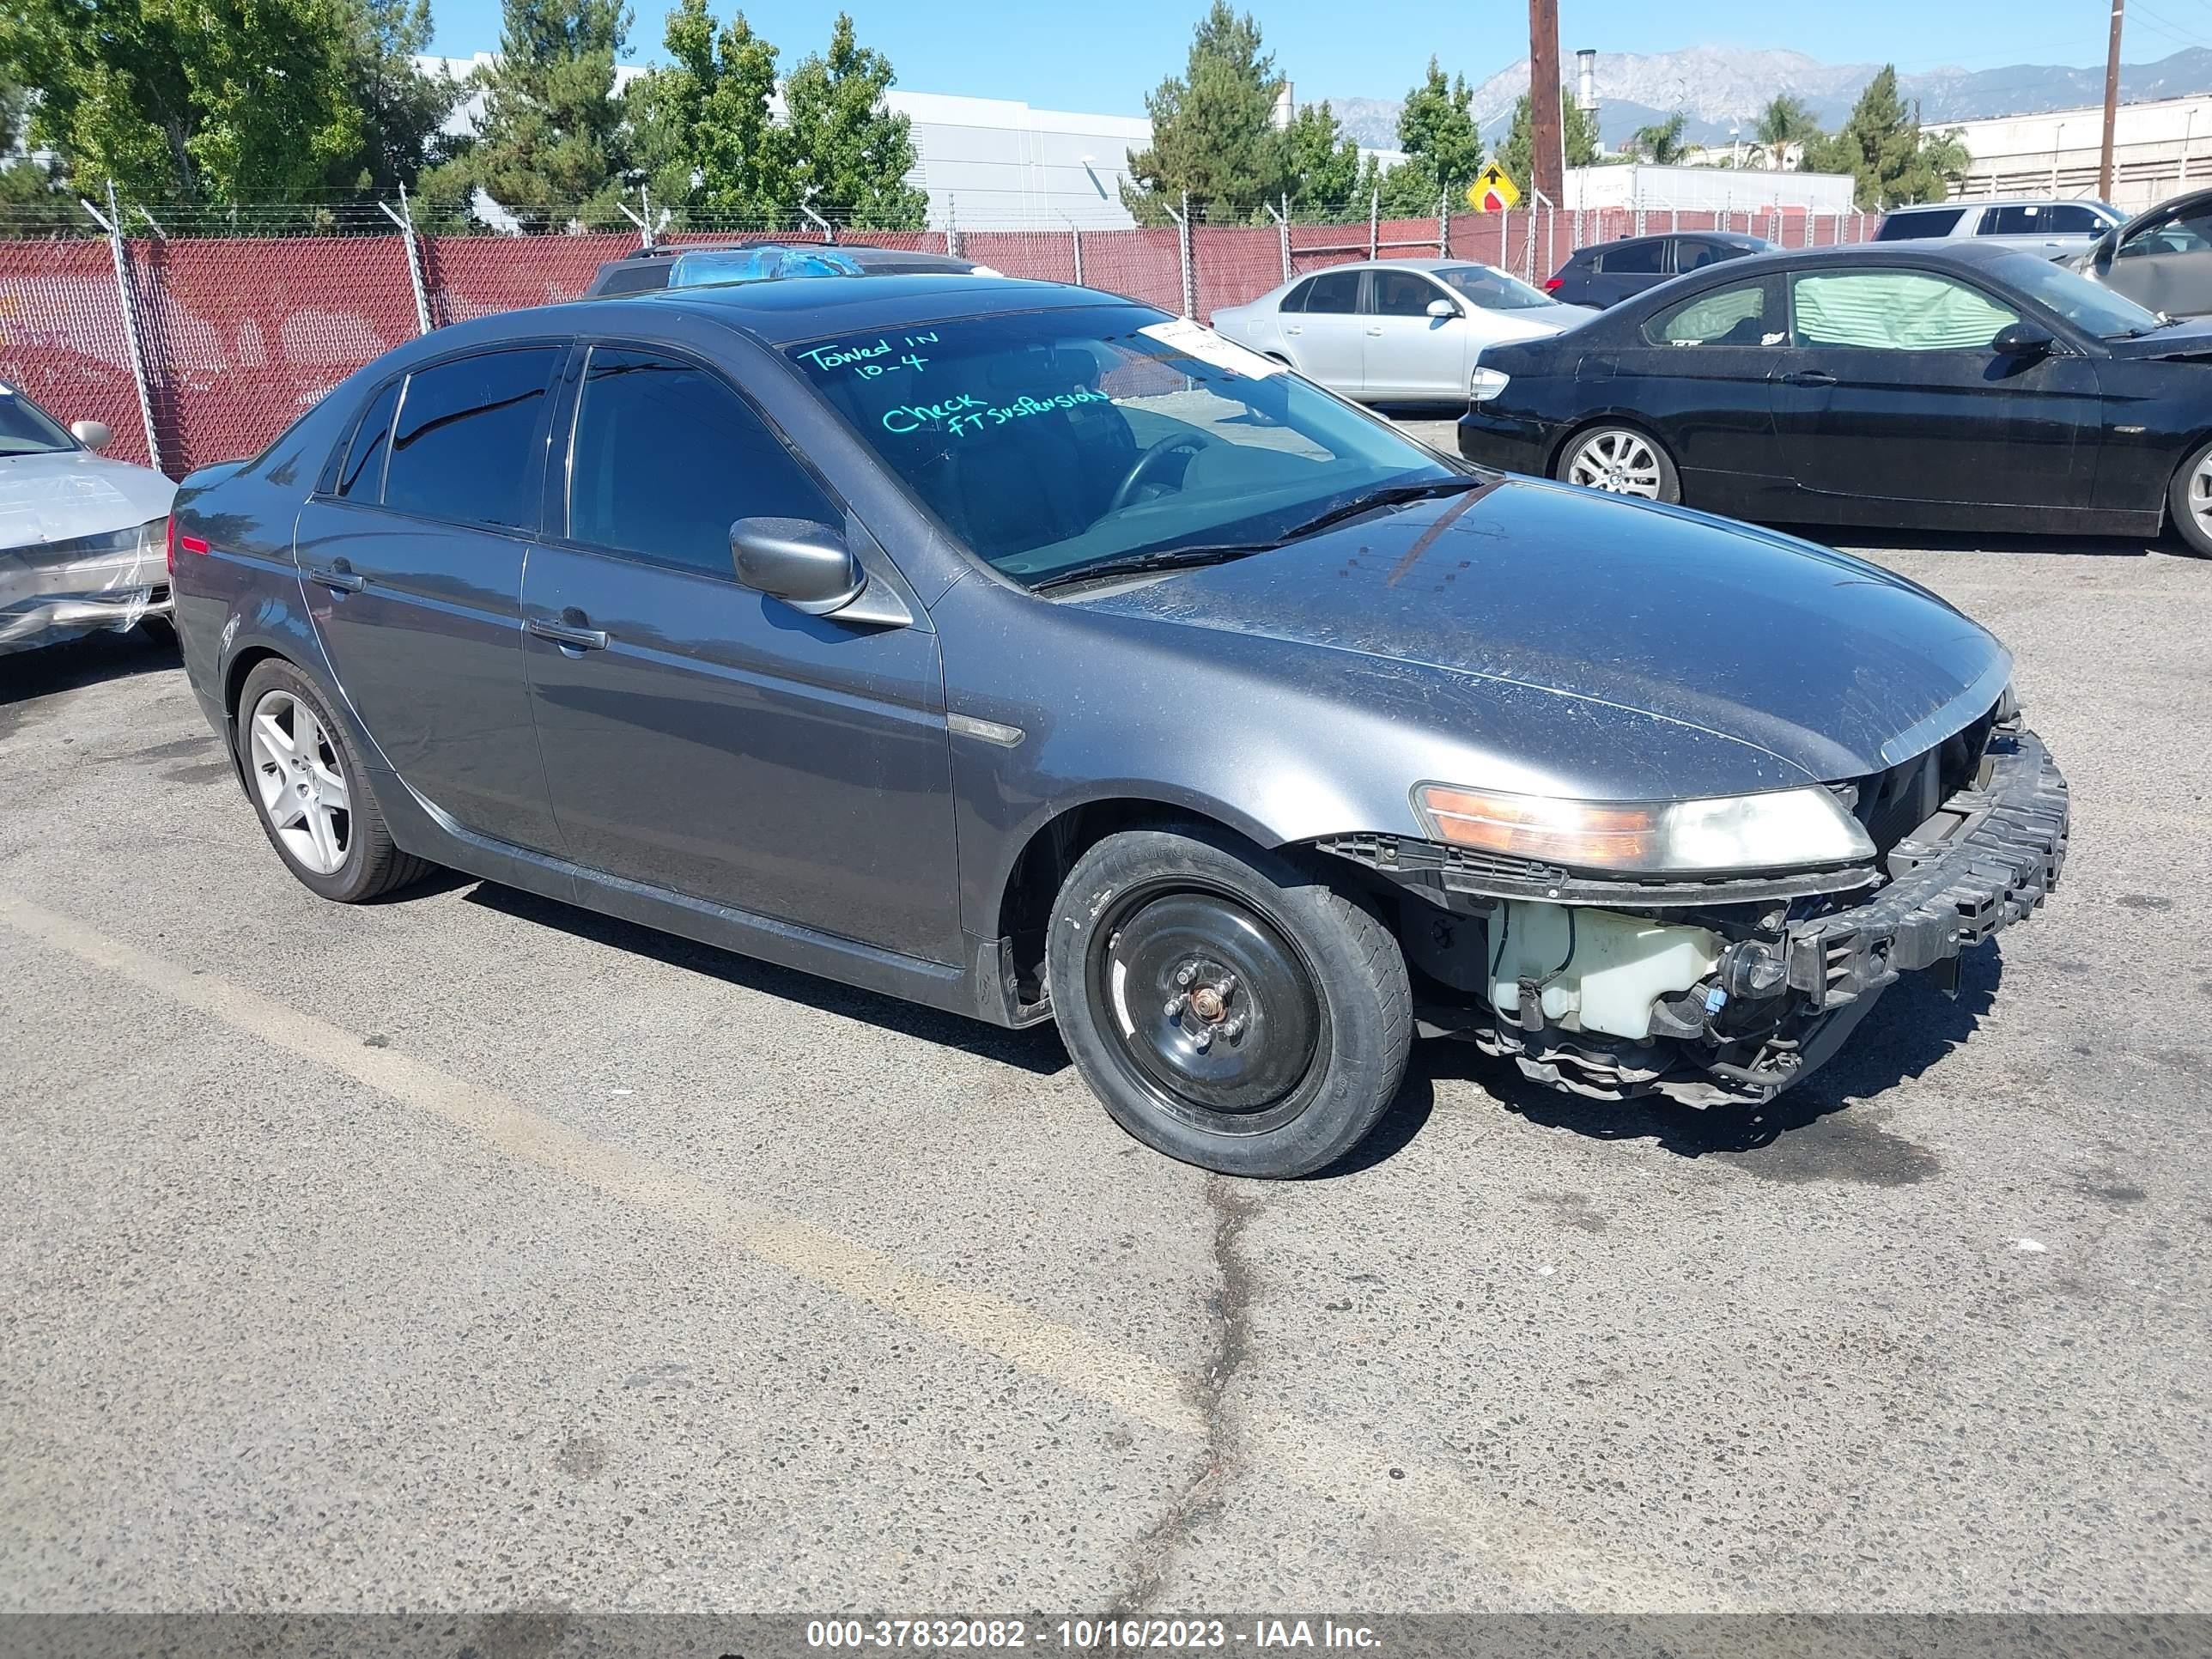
1967 252
1957 204
1733 237
791 309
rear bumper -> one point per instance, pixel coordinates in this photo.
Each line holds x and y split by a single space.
1509 442
1985 860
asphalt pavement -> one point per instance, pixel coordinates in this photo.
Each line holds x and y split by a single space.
468 1251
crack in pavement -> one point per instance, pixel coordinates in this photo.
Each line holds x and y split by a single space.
1230 1305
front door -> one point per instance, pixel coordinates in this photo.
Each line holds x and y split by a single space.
1409 353
704 738
1699 373
411 564
2164 265
1325 339
1890 389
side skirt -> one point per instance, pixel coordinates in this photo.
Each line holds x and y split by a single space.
983 987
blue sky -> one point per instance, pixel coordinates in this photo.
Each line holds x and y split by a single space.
1105 55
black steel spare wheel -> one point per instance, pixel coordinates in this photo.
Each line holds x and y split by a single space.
1227 1003
1210 1009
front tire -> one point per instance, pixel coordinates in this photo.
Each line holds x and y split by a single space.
311 792
2189 501
1229 1009
1622 460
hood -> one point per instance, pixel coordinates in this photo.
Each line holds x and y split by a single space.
60 498
1832 665
2191 338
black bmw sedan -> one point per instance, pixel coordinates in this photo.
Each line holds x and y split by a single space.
1897 387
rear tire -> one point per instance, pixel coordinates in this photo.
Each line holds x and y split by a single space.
1228 1009
2189 501
311 792
1622 460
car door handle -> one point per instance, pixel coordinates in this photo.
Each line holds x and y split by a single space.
1294 328
340 576
1376 333
1809 377
563 633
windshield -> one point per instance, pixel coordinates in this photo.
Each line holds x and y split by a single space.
26 429
2090 306
1049 439
1493 290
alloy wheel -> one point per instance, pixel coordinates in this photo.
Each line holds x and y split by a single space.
2200 494
300 779
1620 461
1205 1006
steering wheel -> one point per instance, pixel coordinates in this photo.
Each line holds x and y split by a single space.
1145 463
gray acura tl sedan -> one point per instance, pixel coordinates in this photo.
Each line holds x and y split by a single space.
1024 652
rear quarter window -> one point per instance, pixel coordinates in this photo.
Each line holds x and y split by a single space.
1920 223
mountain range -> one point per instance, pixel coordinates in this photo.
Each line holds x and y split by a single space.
1716 86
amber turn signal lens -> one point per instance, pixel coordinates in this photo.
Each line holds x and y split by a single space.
1533 827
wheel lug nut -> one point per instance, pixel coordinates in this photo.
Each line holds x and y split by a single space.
1185 973
1174 1007
1203 1041
1234 1029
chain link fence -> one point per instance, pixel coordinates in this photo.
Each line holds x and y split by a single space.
197 334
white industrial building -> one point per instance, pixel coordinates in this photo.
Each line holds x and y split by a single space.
2160 147
1708 188
985 163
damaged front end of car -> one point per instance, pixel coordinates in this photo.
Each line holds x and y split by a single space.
1715 951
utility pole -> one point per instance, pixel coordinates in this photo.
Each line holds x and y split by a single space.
2112 104
1547 139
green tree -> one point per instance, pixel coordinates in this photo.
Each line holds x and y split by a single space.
1580 133
553 146
1213 133
31 199
1784 121
188 101
1322 163
1881 145
702 126
1443 151
1662 143
850 154
402 109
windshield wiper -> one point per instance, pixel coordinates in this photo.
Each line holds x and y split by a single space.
1184 558
1389 495
1136 564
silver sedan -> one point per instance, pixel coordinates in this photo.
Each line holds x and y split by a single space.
1386 331
81 537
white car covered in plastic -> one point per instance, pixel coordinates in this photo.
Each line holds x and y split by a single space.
1395 331
81 537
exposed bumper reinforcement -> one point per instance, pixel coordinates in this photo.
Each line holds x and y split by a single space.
1984 861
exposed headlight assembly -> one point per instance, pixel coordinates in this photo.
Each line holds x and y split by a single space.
1785 828
1484 384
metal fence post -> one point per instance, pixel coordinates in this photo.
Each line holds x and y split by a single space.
1075 235
1187 254
1444 226
1283 231
951 226
1374 224
405 220
1528 254
112 224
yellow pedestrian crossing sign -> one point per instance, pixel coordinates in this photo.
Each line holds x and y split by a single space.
1491 191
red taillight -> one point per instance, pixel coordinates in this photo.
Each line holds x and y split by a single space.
1554 284
169 554
194 544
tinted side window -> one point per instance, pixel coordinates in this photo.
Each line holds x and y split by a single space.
2072 219
1339 290
1689 255
1909 226
461 445
1634 259
361 475
1296 298
666 456
1402 293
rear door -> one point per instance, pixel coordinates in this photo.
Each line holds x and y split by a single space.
700 737
1626 268
1325 339
410 564
1409 353
1698 372
1889 391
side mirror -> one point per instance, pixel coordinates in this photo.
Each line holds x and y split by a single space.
95 435
805 563
2022 340
1443 308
